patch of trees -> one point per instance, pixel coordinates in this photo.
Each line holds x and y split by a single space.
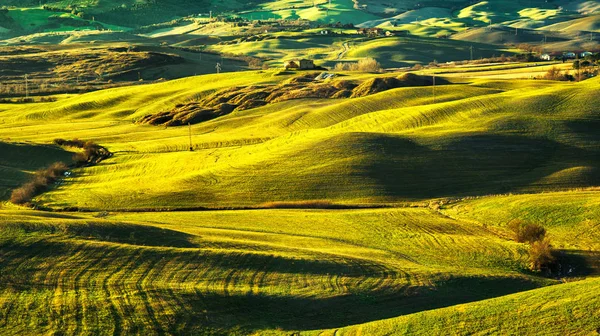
555 74
92 153
42 179
541 255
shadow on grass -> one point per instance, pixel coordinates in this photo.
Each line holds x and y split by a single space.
353 290
576 263
104 231
480 164
256 312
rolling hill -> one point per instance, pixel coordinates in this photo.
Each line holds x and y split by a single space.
450 189
365 215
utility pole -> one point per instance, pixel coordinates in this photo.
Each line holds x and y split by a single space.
516 31
434 87
471 48
26 87
190 129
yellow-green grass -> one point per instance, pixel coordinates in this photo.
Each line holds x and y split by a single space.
566 309
571 217
492 136
508 71
404 51
337 11
276 271
584 24
487 12
38 20
243 271
390 52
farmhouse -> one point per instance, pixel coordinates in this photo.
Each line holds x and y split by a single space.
546 57
303 64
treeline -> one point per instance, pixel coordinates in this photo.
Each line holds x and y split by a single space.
42 179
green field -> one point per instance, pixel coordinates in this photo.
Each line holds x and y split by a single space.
409 267
378 202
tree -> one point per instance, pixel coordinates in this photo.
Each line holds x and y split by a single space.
540 254
527 232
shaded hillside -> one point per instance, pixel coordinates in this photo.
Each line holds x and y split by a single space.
58 69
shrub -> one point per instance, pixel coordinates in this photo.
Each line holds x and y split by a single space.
555 74
365 65
39 182
369 65
540 255
527 232
92 152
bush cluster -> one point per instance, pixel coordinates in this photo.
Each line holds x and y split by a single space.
40 182
554 73
527 232
540 250
92 152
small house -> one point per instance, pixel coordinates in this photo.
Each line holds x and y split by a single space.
546 57
306 64
570 55
325 32
390 33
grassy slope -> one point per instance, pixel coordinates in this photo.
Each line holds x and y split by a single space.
380 148
207 272
573 217
559 310
390 52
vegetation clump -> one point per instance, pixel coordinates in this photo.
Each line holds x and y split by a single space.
541 255
92 152
527 232
38 184
367 64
